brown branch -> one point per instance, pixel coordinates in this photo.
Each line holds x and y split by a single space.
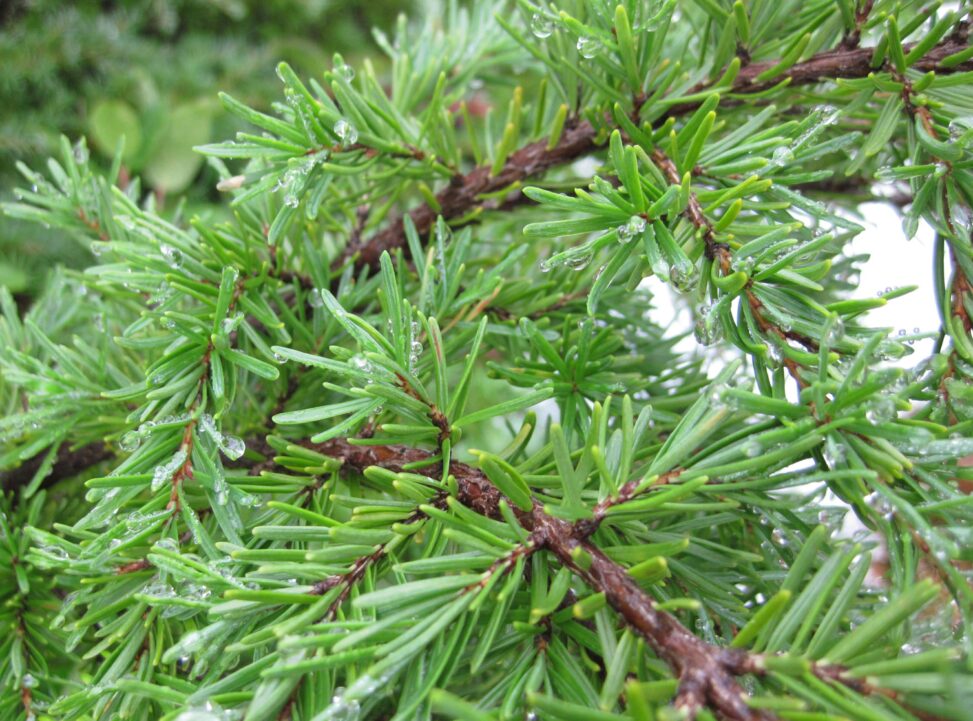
706 673
475 490
694 213
69 462
705 677
848 64
694 661
464 193
347 581
720 253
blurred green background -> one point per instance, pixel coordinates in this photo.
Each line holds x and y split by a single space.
148 70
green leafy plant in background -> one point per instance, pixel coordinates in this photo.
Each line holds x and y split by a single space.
145 71
397 437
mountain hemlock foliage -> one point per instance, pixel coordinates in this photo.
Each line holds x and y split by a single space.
401 440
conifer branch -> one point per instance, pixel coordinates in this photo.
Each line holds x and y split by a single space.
705 678
464 192
706 673
633 493
717 252
720 254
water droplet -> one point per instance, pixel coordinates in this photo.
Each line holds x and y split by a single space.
716 394
752 448
834 332
159 590
163 473
222 490
129 441
880 410
541 26
208 712
834 453
346 132
247 499
315 299
55 551
633 227
167 544
578 262
588 47
208 425
443 234
742 264
684 277
707 329
172 255
885 173
28 681
233 447
291 200
782 155
878 502
345 72
196 591
829 115
962 219
361 363
775 356
365 685
341 708
960 127
159 476
232 323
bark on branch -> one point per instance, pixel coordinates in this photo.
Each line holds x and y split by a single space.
69 462
464 193
707 674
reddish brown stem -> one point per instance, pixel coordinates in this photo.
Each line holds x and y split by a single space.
464 193
716 252
705 677
69 462
706 673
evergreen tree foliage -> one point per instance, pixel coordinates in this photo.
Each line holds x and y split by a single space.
145 70
397 438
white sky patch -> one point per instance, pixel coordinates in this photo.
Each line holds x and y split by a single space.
894 262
